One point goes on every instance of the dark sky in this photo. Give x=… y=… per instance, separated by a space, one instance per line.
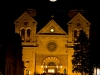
x=11 y=10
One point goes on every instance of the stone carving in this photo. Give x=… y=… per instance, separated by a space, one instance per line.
x=52 y=46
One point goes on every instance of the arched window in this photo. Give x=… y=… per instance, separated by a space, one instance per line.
x=75 y=35
x=79 y=29
x=27 y=72
x=51 y=64
x=23 y=34
x=28 y=35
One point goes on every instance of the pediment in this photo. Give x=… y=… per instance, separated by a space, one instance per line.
x=79 y=18
x=24 y=17
x=52 y=28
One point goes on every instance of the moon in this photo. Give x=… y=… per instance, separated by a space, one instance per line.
x=53 y=0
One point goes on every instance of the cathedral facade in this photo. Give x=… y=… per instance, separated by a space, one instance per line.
x=50 y=50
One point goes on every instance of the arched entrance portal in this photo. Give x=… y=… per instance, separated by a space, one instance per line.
x=51 y=65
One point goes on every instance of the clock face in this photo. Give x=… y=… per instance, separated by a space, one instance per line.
x=52 y=46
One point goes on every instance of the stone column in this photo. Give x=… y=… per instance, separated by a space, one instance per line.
x=70 y=53
x=34 y=34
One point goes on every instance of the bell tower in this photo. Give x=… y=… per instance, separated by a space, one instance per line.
x=26 y=25
x=77 y=23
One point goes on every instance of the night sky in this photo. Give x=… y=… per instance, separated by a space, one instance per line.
x=11 y=10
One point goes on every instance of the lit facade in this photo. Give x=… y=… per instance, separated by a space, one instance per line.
x=96 y=71
x=49 y=50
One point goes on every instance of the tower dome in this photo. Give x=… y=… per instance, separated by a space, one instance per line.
x=31 y=12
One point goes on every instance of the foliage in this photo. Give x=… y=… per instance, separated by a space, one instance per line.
x=81 y=56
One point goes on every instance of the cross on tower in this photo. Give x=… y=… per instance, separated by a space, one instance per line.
x=52 y=16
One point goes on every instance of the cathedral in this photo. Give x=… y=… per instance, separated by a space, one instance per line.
x=50 y=49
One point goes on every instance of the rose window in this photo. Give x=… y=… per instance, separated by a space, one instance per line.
x=52 y=46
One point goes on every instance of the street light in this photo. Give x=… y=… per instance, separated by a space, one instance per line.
x=53 y=0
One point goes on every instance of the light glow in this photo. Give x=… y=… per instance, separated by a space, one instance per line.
x=56 y=66
x=60 y=66
x=51 y=70
x=29 y=72
x=43 y=71
x=96 y=71
x=41 y=66
x=53 y=0
x=52 y=30
x=46 y=66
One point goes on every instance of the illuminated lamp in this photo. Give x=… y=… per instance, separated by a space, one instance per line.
x=52 y=30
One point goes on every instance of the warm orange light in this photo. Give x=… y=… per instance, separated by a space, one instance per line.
x=56 y=66
x=46 y=66
x=29 y=72
x=43 y=71
x=60 y=66
x=41 y=66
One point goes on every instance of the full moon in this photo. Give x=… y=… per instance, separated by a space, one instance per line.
x=53 y=0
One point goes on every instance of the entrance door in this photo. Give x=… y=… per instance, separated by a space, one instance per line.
x=51 y=68
x=51 y=65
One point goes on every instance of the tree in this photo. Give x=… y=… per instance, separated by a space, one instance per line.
x=81 y=56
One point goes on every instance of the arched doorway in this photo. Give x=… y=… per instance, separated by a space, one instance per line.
x=51 y=65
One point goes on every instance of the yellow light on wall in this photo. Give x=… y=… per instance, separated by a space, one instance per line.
x=60 y=66
x=56 y=66
x=29 y=72
x=52 y=30
x=46 y=66
x=41 y=66
x=53 y=0
x=43 y=71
